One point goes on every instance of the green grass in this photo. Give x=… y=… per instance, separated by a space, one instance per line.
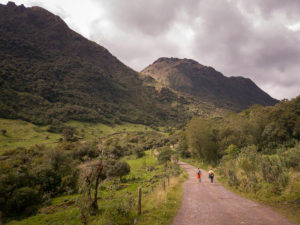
x=280 y=204
x=24 y=134
x=92 y=131
x=158 y=206
x=161 y=206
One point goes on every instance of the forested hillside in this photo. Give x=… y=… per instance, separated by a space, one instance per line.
x=49 y=73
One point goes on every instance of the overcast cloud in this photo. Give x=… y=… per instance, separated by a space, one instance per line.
x=259 y=39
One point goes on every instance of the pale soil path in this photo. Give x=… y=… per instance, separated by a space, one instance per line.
x=211 y=204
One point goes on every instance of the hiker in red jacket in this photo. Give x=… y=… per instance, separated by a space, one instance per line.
x=199 y=175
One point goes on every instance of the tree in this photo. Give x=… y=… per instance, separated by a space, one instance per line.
x=90 y=175
x=120 y=169
x=68 y=134
x=164 y=155
x=201 y=139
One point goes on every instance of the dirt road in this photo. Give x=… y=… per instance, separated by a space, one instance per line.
x=211 y=204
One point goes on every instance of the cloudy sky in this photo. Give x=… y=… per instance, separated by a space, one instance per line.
x=259 y=39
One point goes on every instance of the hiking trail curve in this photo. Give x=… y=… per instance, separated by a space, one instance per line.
x=208 y=203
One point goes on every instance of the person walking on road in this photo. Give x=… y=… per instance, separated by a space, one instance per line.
x=211 y=175
x=199 y=175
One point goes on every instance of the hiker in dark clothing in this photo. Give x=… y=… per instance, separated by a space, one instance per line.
x=211 y=175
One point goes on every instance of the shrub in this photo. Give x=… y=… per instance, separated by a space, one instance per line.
x=232 y=151
x=291 y=157
x=119 y=169
x=164 y=155
x=24 y=200
x=85 y=151
x=139 y=152
x=232 y=178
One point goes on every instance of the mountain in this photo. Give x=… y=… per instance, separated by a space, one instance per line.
x=49 y=72
x=188 y=76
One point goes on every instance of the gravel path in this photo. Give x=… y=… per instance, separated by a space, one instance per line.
x=211 y=204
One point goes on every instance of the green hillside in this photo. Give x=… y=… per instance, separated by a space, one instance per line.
x=49 y=72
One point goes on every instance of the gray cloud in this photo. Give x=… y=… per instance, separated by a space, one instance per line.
x=237 y=37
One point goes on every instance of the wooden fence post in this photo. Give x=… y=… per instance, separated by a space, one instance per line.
x=1 y=222
x=168 y=180
x=164 y=185
x=140 y=202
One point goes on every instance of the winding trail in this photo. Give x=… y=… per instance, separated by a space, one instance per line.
x=211 y=204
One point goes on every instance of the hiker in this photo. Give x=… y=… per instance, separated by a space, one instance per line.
x=211 y=175
x=199 y=175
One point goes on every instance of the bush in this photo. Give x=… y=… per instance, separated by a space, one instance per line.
x=85 y=151
x=232 y=178
x=291 y=157
x=24 y=200
x=119 y=169
x=164 y=155
x=69 y=183
x=232 y=151
x=120 y=211
x=139 y=152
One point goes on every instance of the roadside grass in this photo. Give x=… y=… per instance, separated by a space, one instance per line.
x=161 y=206
x=280 y=204
x=158 y=206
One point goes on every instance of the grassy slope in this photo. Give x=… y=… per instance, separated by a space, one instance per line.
x=24 y=134
x=158 y=206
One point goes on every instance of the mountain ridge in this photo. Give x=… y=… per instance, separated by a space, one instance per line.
x=189 y=76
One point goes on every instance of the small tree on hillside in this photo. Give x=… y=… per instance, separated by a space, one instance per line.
x=120 y=169
x=92 y=173
x=164 y=155
x=68 y=134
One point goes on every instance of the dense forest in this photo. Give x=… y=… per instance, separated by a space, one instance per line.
x=257 y=150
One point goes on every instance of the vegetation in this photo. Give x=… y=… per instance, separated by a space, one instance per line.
x=117 y=200
x=85 y=167
x=71 y=149
x=256 y=151
x=50 y=75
